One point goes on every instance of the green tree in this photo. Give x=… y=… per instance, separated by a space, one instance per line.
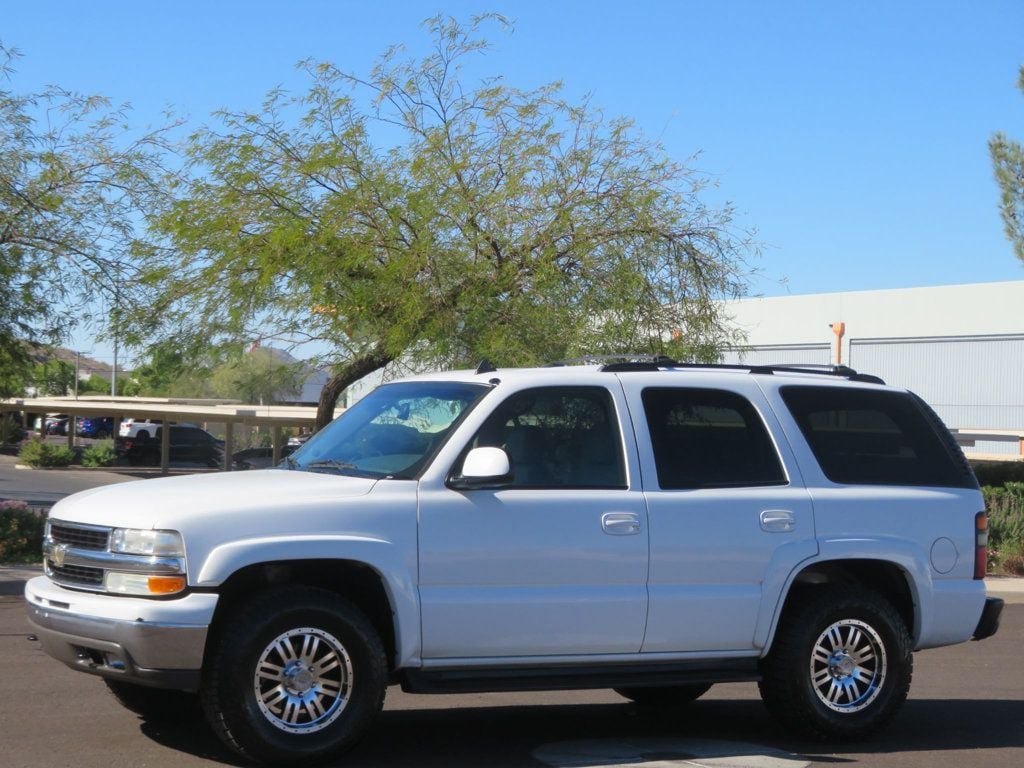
x=257 y=377
x=413 y=214
x=72 y=176
x=164 y=368
x=1008 y=161
x=15 y=368
x=54 y=377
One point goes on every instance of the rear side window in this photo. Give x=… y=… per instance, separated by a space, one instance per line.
x=709 y=438
x=861 y=437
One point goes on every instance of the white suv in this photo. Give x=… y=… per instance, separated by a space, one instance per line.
x=646 y=526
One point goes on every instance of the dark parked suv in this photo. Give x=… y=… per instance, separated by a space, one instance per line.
x=189 y=444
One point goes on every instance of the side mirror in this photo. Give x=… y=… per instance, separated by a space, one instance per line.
x=483 y=467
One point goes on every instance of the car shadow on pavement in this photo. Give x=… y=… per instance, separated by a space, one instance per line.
x=505 y=737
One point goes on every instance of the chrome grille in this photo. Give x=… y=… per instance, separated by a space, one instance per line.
x=75 y=574
x=81 y=538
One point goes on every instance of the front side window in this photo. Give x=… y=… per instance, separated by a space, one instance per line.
x=392 y=432
x=558 y=437
x=874 y=437
x=709 y=438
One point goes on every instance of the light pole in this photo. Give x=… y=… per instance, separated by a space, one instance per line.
x=115 y=316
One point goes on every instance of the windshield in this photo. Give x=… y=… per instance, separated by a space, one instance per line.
x=392 y=432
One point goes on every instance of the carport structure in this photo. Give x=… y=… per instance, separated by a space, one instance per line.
x=227 y=412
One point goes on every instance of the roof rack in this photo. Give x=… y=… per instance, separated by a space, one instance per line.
x=841 y=371
x=626 y=358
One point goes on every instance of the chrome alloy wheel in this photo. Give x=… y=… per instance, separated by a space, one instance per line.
x=303 y=680
x=848 y=666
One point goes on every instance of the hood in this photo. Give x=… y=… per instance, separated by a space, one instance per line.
x=171 y=502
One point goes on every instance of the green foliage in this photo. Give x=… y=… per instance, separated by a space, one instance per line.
x=54 y=377
x=99 y=454
x=1008 y=163
x=21 y=533
x=10 y=429
x=998 y=473
x=257 y=377
x=164 y=373
x=38 y=453
x=15 y=365
x=1005 y=508
x=414 y=214
x=72 y=181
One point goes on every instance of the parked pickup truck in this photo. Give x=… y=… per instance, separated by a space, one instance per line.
x=644 y=526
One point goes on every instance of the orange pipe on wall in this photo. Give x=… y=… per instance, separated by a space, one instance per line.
x=839 y=329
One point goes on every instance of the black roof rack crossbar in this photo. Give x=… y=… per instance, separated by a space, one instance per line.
x=623 y=359
x=841 y=371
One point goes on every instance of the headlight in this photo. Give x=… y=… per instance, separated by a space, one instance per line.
x=132 y=541
x=143 y=584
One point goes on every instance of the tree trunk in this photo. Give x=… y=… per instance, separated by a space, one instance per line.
x=344 y=376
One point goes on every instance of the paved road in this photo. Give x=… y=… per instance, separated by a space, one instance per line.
x=966 y=709
x=44 y=487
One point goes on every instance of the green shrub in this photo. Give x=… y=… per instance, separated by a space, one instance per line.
x=21 y=533
x=1005 y=507
x=10 y=430
x=998 y=473
x=37 y=453
x=100 y=454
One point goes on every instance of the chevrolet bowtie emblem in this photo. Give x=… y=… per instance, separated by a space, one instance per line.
x=58 y=553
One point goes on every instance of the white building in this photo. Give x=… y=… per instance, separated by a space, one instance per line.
x=961 y=347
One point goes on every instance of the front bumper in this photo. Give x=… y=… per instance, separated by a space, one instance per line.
x=988 y=624
x=152 y=642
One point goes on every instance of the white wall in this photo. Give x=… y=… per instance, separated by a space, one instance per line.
x=948 y=310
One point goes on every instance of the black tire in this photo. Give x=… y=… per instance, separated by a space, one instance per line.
x=862 y=643
x=666 y=696
x=154 y=703
x=244 y=653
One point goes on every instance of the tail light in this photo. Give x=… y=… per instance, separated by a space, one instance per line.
x=127 y=443
x=980 y=544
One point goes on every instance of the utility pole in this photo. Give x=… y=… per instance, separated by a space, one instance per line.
x=78 y=364
x=116 y=323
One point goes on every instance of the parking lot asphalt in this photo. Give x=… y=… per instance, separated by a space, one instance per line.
x=966 y=708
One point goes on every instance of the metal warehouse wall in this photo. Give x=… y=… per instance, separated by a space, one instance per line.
x=779 y=354
x=971 y=381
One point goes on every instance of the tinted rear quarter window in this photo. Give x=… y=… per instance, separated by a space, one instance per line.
x=865 y=437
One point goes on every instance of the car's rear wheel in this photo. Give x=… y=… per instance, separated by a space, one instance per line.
x=296 y=674
x=840 y=667
x=667 y=696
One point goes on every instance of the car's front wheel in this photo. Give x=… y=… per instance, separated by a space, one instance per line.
x=840 y=666
x=296 y=674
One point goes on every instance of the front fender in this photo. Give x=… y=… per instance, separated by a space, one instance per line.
x=397 y=574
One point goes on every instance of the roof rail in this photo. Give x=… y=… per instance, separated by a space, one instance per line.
x=625 y=358
x=841 y=371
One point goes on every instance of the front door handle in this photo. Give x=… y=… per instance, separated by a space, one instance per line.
x=620 y=523
x=777 y=520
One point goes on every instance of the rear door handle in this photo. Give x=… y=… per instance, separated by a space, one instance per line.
x=777 y=520
x=620 y=523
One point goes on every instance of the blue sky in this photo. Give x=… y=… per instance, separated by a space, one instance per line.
x=851 y=136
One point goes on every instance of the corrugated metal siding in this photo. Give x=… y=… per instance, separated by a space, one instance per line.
x=779 y=354
x=971 y=381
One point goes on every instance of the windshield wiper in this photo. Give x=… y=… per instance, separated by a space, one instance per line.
x=329 y=464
